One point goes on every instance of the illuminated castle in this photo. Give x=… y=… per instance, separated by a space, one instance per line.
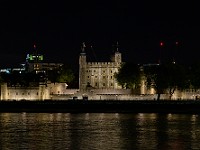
x=98 y=75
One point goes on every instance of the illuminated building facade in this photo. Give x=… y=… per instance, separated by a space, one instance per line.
x=98 y=75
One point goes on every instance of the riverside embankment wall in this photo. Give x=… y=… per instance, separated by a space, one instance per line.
x=59 y=91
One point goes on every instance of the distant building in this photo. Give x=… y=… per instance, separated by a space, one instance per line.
x=35 y=63
x=98 y=75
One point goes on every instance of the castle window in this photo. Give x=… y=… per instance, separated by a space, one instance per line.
x=22 y=93
x=95 y=76
x=88 y=76
x=16 y=93
x=111 y=84
x=94 y=70
x=111 y=77
x=28 y=93
x=104 y=84
x=104 y=77
x=110 y=71
x=96 y=84
x=37 y=93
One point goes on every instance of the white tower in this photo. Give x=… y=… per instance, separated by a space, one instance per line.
x=82 y=68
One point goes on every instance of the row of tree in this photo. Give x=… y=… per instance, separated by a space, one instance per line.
x=162 y=77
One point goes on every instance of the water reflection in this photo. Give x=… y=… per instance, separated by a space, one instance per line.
x=99 y=131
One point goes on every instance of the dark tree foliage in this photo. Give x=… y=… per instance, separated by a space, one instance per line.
x=166 y=77
x=128 y=75
x=63 y=74
x=23 y=79
x=194 y=75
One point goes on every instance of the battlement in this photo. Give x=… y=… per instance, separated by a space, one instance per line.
x=101 y=64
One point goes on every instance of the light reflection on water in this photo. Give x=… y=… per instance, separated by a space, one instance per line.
x=99 y=131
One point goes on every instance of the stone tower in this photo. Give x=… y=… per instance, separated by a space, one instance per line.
x=98 y=75
x=117 y=57
x=82 y=68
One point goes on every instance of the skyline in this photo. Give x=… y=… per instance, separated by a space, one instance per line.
x=58 y=30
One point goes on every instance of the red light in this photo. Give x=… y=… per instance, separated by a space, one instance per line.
x=161 y=43
x=34 y=46
x=176 y=43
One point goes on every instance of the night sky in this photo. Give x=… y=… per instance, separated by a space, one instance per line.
x=59 y=27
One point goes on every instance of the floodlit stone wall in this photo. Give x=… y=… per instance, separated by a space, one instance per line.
x=99 y=74
x=21 y=93
x=58 y=91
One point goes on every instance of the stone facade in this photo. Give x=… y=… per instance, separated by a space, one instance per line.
x=24 y=93
x=53 y=91
x=98 y=75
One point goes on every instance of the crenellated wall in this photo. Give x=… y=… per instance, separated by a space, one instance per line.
x=101 y=64
x=24 y=93
x=58 y=91
x=42 y=92
x=99 y=75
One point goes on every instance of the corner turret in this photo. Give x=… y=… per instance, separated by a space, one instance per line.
x=82 y=68
x=117 y=57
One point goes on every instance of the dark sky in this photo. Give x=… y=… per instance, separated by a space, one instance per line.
x=59 y=27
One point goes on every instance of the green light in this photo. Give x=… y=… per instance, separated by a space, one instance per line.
x=31 y=57
x=41 y=57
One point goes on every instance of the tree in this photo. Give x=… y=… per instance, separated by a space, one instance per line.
x=66 y=76
x=128 y=75
x=194 y=75
x=167 y=77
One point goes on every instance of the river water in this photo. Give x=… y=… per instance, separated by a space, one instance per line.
x=99 y=131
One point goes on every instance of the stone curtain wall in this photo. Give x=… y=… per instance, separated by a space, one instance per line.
x=20 y=93
x=58 y=91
